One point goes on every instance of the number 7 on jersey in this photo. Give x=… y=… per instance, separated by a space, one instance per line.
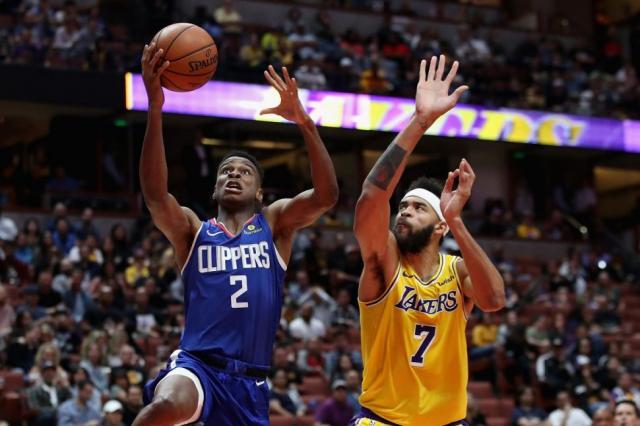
x=427 y=333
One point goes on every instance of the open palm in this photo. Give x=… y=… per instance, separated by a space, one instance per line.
x=432 y=96
x=290 y=107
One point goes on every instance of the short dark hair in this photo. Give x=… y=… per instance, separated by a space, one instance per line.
x=430 y=184
x=631 y=403
x=83 y=383
x=246 y=155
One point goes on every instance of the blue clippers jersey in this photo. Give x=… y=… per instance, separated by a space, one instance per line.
x=233 y=292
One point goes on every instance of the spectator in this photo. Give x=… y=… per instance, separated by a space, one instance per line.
x=284 y=359
x=132 y=365
x=603 y=416
x=77 y=411
x=44 y=398
x=303 y=43
x=285 y=400
x=537 y=334
x=113 y=413
x=138 y=268
x=93 y=364
x=323 y=304
x=527 y=229
x=78 y=301
x=133 y=404
x=626 y=413
x=341 y=347
x=48 y=353
x=81 y=375
x=566 y=414
x=554 y=369
x=310 y=358
x=63 y=237
x=344 y=313
x=336 y=410
x=354 y=390
x=626 y=390
x=85 y=226
x=306 y=327
x=309 y=75
x=373 y=80
x=484 y=337
x=252 y=53
x=228 y=17
x=7 y=313
x=525 y=412
x=47 y=296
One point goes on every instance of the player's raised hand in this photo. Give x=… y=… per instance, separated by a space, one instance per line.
x=151 y=72
x=432 y=95
x=290 y=107
x=452 y=201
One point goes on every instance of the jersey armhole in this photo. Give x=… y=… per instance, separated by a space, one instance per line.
x=454 y=268
x=386 y=292
x=193 y=244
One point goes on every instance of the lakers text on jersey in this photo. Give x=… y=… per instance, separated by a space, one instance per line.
x=414 y=348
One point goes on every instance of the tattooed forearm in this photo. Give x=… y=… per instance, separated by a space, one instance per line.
x=386 y=166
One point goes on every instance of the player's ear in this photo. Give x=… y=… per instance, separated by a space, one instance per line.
x=441 y=228
x=259 y=195
x=213 y=196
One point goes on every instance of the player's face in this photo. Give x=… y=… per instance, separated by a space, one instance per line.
x=626 y=416
x=238 y=182
x=415 y=223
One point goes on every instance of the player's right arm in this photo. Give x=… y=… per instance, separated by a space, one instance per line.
x=371 y=227
x=179 y=224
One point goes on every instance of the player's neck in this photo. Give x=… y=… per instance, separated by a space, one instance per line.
x=426 y=262
x=235 y=220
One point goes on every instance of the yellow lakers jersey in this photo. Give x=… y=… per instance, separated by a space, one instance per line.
x=414 y=348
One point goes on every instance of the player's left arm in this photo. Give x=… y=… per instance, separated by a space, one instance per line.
x=287 y=215
x=481 y=281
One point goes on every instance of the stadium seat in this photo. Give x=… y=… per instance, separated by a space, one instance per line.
x=498 y=421
x=490 y=407
x=11 y=381
x=480 y=390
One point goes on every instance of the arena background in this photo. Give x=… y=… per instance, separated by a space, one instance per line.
x=551 y=126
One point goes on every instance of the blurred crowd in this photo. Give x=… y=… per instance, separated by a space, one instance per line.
x=594 y=77
x=87 y=316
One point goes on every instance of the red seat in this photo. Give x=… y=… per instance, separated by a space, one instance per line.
x=490 y=407
x=480 y=389
x=498 y=421
x=11 y=380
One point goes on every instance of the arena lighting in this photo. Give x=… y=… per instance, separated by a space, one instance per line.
x=382 y=113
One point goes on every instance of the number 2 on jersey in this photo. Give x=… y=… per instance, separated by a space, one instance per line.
x=242 y=279
x=427 y=333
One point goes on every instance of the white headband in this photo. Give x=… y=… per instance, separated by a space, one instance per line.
x=428 y=197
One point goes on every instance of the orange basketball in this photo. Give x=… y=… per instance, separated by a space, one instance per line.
x=192 y=53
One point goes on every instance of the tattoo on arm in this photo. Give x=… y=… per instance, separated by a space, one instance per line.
x=386 y=166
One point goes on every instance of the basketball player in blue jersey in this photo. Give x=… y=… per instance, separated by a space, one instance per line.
x=232 y=267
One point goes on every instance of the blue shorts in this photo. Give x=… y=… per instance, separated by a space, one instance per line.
x=226 y=397
x=367 y=417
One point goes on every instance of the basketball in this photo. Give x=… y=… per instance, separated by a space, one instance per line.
x=192 y=53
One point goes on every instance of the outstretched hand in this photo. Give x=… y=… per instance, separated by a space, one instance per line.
x=151 y=73
x=432 y=95
x=452 y=201
x=290 y=107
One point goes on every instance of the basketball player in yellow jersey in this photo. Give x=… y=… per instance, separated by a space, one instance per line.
x=414 y=301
